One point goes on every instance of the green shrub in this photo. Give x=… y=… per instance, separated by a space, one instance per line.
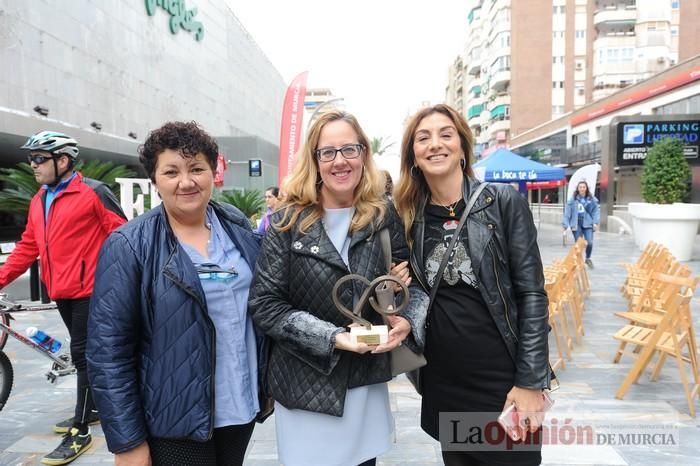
x=666 y=175
x=250 y=202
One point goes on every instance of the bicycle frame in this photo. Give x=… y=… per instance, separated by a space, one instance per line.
x=62 y=365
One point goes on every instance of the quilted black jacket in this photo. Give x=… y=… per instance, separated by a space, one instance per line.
x=151 y=344
x=505 y=256
x=291 y=301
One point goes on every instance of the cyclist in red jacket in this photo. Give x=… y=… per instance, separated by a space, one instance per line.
x=69 y=219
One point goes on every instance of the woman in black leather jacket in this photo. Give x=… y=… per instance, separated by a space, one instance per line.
x=486 y=339
x=332 y=404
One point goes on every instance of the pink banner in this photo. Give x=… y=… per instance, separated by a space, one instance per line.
x=292 y=116
x=220 y=169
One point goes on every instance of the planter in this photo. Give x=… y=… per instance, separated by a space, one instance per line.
x=632 y=208
x=673 y=225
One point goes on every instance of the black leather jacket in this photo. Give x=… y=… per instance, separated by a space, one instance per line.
x=505 y=256
x=291 y=301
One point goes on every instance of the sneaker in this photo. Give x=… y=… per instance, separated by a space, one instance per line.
x=64 y=426
x=72 y=446
x=589 y=263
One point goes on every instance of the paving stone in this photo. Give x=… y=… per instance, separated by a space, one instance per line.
x=589 y=384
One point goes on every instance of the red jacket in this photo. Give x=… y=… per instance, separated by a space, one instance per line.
x=80 y=219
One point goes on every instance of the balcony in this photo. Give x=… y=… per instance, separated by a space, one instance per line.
x=500 y=80
x=499 y=125
x=614 y=17
x=500 y=99
x=474 y=67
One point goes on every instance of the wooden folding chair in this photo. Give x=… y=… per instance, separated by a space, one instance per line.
x=672 y=336
x=562 y=339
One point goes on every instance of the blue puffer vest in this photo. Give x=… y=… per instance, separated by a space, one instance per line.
x=151 y=344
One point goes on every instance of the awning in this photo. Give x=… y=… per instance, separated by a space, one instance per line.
x=474 y=110
x=545 y=184
x=499 y=110
x=476 y=90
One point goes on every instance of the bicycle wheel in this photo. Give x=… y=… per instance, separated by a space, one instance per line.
x=5 y=319
x=6 y=378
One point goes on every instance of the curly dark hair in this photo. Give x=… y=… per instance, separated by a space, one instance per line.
x=188 y=138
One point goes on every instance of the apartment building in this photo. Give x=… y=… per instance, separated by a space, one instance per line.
x=528 y=62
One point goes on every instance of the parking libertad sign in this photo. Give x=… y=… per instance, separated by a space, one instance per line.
x=180 y=16
x=635 y=139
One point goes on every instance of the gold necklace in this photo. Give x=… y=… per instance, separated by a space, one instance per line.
x=450 y=208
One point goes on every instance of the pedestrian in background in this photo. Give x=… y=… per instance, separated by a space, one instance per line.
x=70 y=216
x=486 y=341
x=172 y=351
x=332 y=401
x=271 y=201
x=582 y=216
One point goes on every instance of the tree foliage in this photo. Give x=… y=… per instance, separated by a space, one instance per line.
x=250 y=202
x=380 y=145
x=666 y=175
x=20 y=185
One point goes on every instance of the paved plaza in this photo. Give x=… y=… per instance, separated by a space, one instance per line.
x=588 y=386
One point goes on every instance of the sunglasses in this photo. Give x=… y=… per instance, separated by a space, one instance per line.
x=214 y=272
x=38 y=159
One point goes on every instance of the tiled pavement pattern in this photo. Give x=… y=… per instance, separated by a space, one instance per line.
x=588 y=386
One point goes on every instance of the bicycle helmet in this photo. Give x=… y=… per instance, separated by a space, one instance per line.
x=53 y=142
x=56 y=144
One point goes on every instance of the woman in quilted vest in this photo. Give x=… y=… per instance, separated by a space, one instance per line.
x=172 y=351
x=332 y=402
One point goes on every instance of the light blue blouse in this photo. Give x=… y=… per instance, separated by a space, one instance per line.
x=236 y=375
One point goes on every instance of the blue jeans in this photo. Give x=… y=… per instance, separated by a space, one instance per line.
x=587 y=234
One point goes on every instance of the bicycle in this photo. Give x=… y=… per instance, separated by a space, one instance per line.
x=61 y=364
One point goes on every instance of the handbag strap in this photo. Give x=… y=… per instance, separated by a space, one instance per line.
x=386 y=247
x=455 y=237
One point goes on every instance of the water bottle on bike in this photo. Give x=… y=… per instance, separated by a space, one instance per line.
x=43 y=340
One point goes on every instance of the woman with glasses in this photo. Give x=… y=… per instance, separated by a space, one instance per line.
x=173 y=353
x=486 y=341
x=332 y=403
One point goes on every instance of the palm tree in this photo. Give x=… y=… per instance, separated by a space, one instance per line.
x=250 y=202
x=20 y=185
x=380 y=145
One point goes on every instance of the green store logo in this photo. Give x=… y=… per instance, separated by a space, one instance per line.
x=180 y=16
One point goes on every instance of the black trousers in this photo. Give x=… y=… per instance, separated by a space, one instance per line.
x=74 y=313
x=498 y=458
x=226 y=448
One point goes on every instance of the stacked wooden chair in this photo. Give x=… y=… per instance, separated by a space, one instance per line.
x=659 y=324
x=567 y=286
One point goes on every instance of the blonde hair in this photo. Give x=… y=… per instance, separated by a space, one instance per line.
x=412 y=185
x=303 y=187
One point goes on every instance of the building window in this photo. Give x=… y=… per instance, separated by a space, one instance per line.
x=557 y=109
x=674 y=30
x=674 y=4
x=580 y=33
x=557 y=84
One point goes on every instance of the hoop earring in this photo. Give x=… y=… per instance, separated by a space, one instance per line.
x=462 y=163
x=414 y=174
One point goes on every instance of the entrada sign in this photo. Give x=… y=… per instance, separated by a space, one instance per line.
x=180 y=16
x=635 y=138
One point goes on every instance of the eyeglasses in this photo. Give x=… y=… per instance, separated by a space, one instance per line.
x=349 y=151
x=214 y=272
x=38 y=159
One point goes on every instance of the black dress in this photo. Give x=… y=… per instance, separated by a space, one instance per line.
x=469 y=368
